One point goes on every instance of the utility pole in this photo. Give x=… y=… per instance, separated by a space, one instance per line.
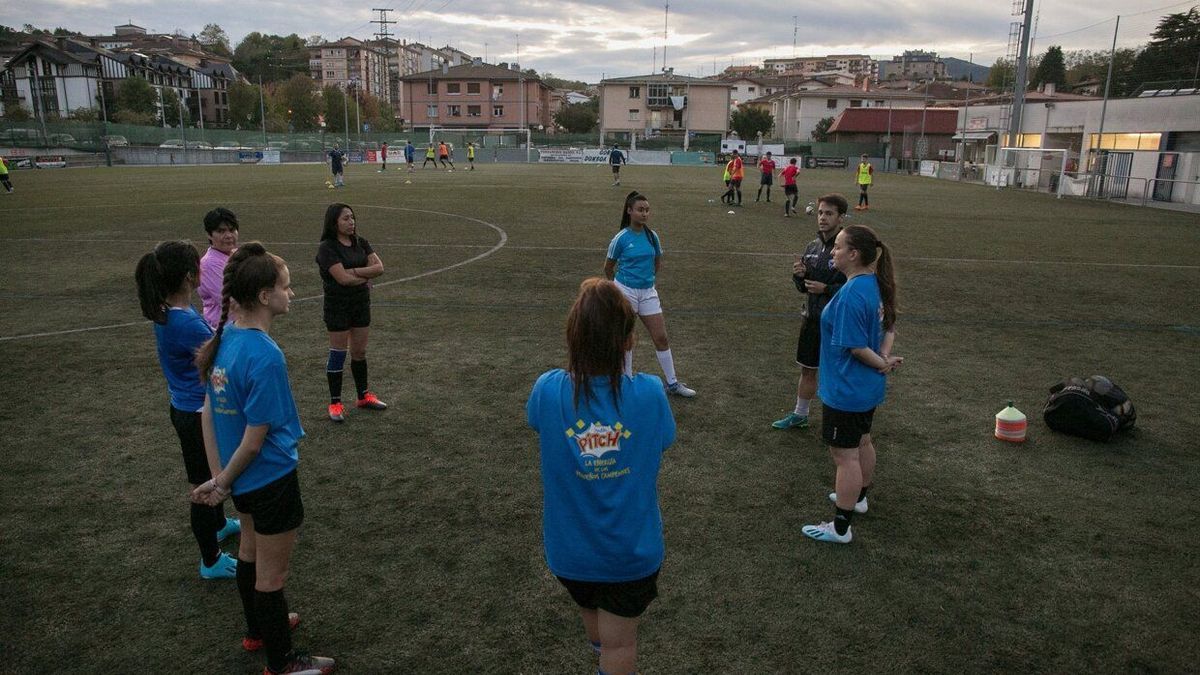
x=666 y=15
x=262 y=110
x=1112 y=55
x=382 y=36
x=795 y=29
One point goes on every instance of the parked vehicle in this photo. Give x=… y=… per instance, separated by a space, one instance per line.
x=116 y=141
x=62 y=139
x=172 y=144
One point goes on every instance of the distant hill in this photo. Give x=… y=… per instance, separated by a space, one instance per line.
x=956 y=69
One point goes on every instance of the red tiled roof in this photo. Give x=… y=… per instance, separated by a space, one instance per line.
x=875 y=120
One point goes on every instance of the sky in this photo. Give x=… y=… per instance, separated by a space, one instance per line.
x=615 y=38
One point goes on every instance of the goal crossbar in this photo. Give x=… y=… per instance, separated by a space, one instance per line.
x=487 y=131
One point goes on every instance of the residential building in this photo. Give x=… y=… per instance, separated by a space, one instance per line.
x=913 y=64
x=953 y=92
x=849 y=64
x=423 y=58
x=796 y=113
x=664 y=102
x=455 y=57
x=350 y=63
x=908 y=133
x=745 y=88
x=476 y=95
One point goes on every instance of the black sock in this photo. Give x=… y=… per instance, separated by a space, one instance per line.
x=206 y=521
x=272 y=611
x=335 y=385
x=246 y=572
x=841 y=521
x=739 y=196
x=768 y=193
x=759 y=195
x=359 y=370
x=862 y=494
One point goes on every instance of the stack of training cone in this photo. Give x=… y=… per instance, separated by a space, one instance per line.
x=1011 y=424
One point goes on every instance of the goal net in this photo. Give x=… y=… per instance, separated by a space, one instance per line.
x=509 y=144
x=1039 y=169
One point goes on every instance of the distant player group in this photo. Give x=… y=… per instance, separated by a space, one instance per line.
x=443 y=153
x=602 y=427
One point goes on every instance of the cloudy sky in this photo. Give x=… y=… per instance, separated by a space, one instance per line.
x=591 y=40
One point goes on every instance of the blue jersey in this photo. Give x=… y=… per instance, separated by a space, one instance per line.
x=336 y=157
x=852 y=319
x=600 y=516
x=408 y=152
x=178 y=339
x=616 y=157
x=249 y=387
x=635 y=254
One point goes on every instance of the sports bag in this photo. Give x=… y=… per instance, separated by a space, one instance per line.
x=1093 y=407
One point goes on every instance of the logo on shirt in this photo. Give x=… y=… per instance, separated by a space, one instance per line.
x=218 y=380
x=597 y=439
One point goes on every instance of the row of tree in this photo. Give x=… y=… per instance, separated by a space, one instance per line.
x=1173 y=54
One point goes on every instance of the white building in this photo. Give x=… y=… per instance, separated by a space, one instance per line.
x=796 y=113
x=1153 y=142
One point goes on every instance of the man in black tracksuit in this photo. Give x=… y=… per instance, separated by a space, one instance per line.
x=815 y=276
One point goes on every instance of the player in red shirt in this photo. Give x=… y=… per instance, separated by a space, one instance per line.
x=767 y=166
x=791 y=193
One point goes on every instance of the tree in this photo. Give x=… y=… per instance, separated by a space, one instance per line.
x=578 y=118
x=820 y=132
x=136 y=96
x=335 y=105
x=216 y=40
x=1173 y=52
x=243 y=105
x=748 y=121
x=1001 y=74
x=298 y=98
x=1083 y=65
x=1051 y=69
x=274 y=58
x=174 y=113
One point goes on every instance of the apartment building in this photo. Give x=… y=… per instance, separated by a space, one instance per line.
x=350 y=63
x=650 y=104
x=913 y=64
x=476 y=95
x=853 y=65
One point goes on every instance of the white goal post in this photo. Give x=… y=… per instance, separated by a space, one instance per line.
x=481 y=134
x=1011 y=161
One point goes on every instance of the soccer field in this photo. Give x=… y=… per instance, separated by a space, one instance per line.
x=421 y=549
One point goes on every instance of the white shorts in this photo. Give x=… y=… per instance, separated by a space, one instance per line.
x=645 y=301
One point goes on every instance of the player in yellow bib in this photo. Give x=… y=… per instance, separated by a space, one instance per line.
x=8 y=188
x=471 y=156
x=865 y=171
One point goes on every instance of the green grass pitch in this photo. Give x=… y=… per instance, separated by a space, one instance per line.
x=421 y=551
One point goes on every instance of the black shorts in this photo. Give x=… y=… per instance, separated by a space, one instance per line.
x=791 y=190
x=191 y=442
x=863 y=186
x=808 y=347
x=624 y=598
x=346 y=313
x=616 y=168
x=736 y=182
x=275 y=507
x=767 y=179
x=842 y=429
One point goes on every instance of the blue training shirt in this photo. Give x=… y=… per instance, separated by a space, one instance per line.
x=178 y=339
x=248 y=387
x=852 y=319
x=635 y=254
x=600 y=515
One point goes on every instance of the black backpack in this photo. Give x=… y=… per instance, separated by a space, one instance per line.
x=1094 y=408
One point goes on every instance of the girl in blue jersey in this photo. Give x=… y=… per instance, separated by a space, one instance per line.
x=857 y=329
x=634 y=260
x=251 y=431
x=166 y=278
x=602 y=434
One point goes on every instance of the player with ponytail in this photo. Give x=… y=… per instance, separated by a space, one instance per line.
x=602 y=434
x=857 y=330
x=633 y=262
x=251 y=431
x=166 y=278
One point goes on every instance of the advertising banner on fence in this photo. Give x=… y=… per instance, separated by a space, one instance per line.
x=572 y=156
x=269 y=156
x=813 y=162
x=50 y=162
x=19 y=162
x=249 y=157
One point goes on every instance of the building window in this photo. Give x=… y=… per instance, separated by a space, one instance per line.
x=634 y=114
x=454 y=110
x=635 y=92
x=750 y=89
x=497 y=92
x=497 y=111
x=432 y=90
x=453 y=87
x=431 y=111
x=658 y=95
x=330 y=74
x=878 y=104
x=856 y=103
x=1118 y=141
x=831 y=103
x=474 y=111
x=472 y=87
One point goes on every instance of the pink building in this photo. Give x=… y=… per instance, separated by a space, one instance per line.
x=476 y=95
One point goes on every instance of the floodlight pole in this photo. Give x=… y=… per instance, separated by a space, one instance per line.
x=262 y=110
x=1018 y=102
x=1112 y=55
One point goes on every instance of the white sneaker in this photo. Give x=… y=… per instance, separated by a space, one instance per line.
x=680 y=389
x=860 y=507
x=827 y=532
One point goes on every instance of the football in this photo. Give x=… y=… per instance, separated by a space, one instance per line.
x=809 y=208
